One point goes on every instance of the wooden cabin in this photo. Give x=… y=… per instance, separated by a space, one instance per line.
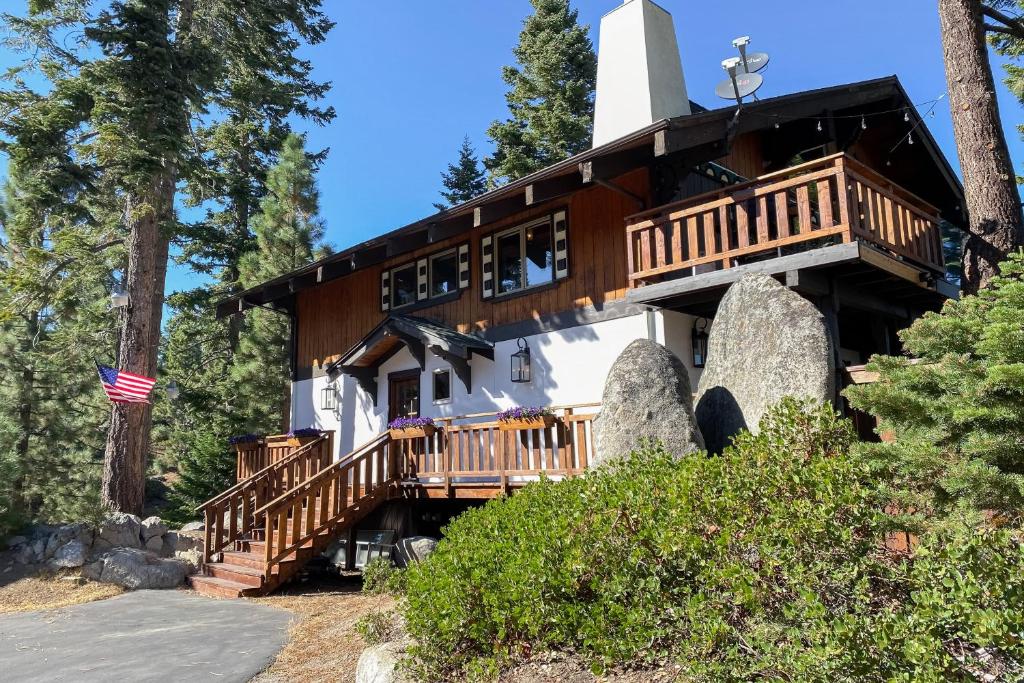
x=839 y=193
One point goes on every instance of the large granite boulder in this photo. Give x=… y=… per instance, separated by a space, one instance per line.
x=135 y=568
x=194 y=526
x=766 y=342
x=71 y=554
x=119 y=530
x=647 y=395
x=152 y=526
x=414 y=549
x=379 y=664
x=181 y=541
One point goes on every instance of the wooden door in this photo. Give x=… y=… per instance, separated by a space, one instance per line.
x=403 y=394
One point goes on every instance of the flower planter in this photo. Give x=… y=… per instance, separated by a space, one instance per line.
x=300 y=441
x=522 y=423
x=413 y=432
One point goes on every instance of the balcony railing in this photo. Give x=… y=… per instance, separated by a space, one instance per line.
x=833 y=199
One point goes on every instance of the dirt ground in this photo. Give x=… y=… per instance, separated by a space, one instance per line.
x=322 y=643
x=50 y=591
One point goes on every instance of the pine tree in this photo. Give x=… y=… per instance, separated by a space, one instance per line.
x=957 y=412
x=463 y=180
x=551 y=94
x=124 y=97
x=995 y=222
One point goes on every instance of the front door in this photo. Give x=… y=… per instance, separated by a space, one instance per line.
x=403 y=394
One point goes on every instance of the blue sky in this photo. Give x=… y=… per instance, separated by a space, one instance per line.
x=412 y=78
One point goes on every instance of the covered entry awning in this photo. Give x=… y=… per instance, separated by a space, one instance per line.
x=418 y=335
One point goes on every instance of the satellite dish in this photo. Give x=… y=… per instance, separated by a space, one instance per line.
x=754 y=62
x=739 y=86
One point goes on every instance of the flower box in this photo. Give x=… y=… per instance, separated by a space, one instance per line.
x=412 y=432
x=246 y=442
x=525 y=418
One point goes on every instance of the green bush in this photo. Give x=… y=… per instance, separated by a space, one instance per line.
x=764 y=562
x=381 y=577
x=379 y=627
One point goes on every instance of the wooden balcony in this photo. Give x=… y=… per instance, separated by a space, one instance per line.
x=832 y=200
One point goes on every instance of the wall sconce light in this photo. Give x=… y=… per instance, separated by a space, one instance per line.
x=699 y=342
x=118 y=297
x=329 y=398
x=521 y=362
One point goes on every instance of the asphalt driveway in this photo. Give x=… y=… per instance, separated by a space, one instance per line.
x=143 y=636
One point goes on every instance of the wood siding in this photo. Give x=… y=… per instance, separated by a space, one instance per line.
x=334 y=316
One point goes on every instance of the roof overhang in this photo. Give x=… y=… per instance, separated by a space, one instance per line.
x=418 y=335
x=697 y=138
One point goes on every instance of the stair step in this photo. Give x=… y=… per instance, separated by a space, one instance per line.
x=217 y=588
x=242 y=559
x=247 y=576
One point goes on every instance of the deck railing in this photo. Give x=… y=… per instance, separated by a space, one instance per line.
x=833 y=199
x=479 y=454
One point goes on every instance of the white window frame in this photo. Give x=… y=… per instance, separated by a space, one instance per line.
x=433 y=387
x=430 y=272
x=394 y=290
x=521 y=229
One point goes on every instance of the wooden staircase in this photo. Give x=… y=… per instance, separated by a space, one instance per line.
x=258 y=536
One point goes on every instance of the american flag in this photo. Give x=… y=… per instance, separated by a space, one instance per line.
x=124 y=387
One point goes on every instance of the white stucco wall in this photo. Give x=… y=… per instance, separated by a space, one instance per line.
x=569 y=367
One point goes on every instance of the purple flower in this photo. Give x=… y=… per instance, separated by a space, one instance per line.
x=523 y=413
x=307 y=431
x=410 y=422
x=244 y=438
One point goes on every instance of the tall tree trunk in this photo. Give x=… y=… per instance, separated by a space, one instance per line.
x=995 y=223
x=26 y=396
x=128 y=438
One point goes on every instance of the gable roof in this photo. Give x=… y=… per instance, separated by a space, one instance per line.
x=701 y=136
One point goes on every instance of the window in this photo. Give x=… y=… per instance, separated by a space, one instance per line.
x=442 y=386
x=444 y=274
x=524 y=257
x=403 y=286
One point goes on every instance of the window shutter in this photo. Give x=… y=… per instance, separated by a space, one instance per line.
x=421 y=279
x=561 y=246
x=385 y=290
x=463 y=266
x=487 y=267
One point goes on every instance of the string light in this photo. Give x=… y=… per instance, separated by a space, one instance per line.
x=819 y=126
x=910 y=138
x=906 y=116
x=863 y=123
x=777 y=126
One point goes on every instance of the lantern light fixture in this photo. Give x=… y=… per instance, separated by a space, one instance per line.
x=699 y=342
x=521 y=362
x=173 y=392
x=329 y=398
x=118 y=297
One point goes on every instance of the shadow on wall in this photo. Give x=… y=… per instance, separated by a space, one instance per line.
x=719 y=417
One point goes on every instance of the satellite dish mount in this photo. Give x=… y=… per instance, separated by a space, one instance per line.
x=743 y=77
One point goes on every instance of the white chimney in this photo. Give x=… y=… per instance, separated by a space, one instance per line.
x=639 y=72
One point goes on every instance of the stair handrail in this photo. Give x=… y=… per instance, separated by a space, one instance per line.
x=378 y=440
x=299 y=513
x=287 y=460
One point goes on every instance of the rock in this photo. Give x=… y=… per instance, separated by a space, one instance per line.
x=119 y=530
x=647 y=395
x=135 y=568
x=155 y=545
x=15 y=541
x=379 y=664
x=38 y=549
x=766 y=342
x=192 y=558
x=178 y=541
x=414 y=549
x=23 y=554
x=71 y=554
x=152 y=526
x=194 y=526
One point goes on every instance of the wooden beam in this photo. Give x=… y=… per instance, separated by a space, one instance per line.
x=369 y=256
x=616 y=164
x=807 y=282
x=403 y=243
x=335 y=269
x=450 y=227
x=552 y=188
x=415 y=346
x=365 y=377
x=496 y=210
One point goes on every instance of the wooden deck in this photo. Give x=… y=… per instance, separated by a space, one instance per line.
x=261 y=531
x=832 y=200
